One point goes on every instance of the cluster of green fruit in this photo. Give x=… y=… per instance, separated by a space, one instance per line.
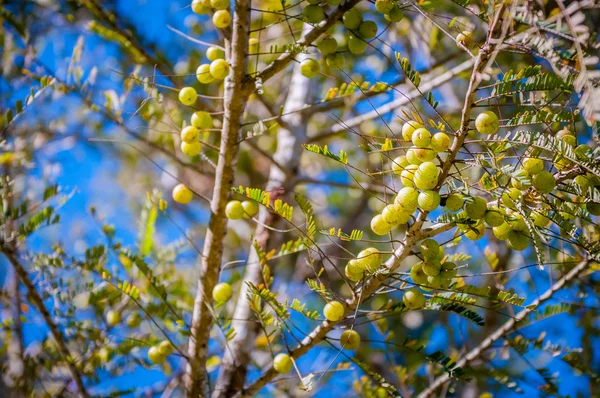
x=158 y=353
x=419 y=175
x=221 y=17
x=431 y=273
x=190 y=135
x=368 y=261
x=216 y=70
x=359 y=32
x=236 y=210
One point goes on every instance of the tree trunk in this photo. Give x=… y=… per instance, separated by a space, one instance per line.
x=237 y=356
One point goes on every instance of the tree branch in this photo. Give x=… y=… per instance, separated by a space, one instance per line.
x=235 y=99
x=505 y=329
x=289 y=147
x=37 y=301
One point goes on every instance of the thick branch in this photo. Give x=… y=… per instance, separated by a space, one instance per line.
x=37 y=301
x=506 y=328
x=235 y=99
x=289 y=141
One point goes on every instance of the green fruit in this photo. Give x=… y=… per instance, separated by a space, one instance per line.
x=487 y=122
x=222 y=292
x=502 y=231
x=352 y=19
x=165 y=348
x=476 y=208
x=465 y=38
x=399 y=164
x=354 y=270
x=429 y=200
x=448 y=270
x=370 y=259
x=201 y=6
x=182 y=194
x=313 y=13
x=409 y=128
x=203 y=74
x=583 y=182
x=407 y=176
x=334 y=3
x=413 y=299
x=188 y=96
x=350 y=340
x=421 y=138
x=309 y=68
x=395 y=215
x=510 y=196
x=540 y=220
x=379 y=226
x=583 y=151
x=155 y=356
x=234 y=210
x=113 y=318
x=411 y=156
x=454 y=202
x=214 y=53
x=191 y=148
x=367 y=30
x=517 y=223
x=105 y=354
x=432 y=268
x=567 y=137
x=384 y=6
x=221 y=19
x=423 y=182
x=429 y=170
x=189 y=134
x=395 y=15
x=335 y=60
x=356 y=45
x=440 y=142
x=134 y=320
x=518 y=240
x=202 y=120
x=533 y=165
x=475 y=232
x=430 y=248
x=219 y=68
x=521 y=181
x=424 y=154
x=493 y=217
x=434 y=282
x=593 y=208
x=328 y=45
x=544 y=182
x=334 y=311
x=417 y=274
x=219 y=4
x=282 y=363
x=407 y=199
x=250 y=208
